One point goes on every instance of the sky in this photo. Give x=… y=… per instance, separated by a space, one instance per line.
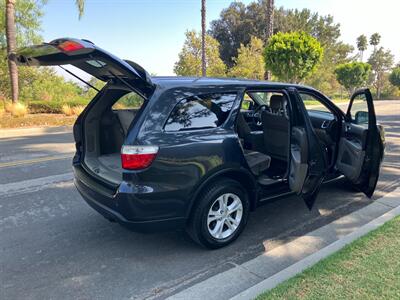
x=151 y=33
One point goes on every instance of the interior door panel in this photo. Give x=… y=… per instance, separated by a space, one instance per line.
x=299 y=159
x=361 y=145
x=308 y=163
x=352 y=150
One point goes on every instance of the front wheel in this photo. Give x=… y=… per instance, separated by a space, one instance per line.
x=220 y=214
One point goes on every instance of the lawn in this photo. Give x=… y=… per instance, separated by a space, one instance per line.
x=368 y=268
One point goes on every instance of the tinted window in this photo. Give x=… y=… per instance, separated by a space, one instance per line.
x=359 y=110
x=204 y=111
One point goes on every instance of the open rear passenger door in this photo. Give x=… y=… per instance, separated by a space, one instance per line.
x=361 y=144
x=307 y=160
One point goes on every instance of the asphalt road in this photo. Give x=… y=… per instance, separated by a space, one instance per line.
x=52 y=245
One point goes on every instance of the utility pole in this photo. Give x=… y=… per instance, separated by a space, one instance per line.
x=203 y=39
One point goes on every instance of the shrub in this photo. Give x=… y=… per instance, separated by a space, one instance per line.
x=67 y=110
x=77 y=110
x=394 y=77
x=8 y=106
x=53 y=107
x=18 y=109
x=72 y=111
x=352 y=75
x=292 y=56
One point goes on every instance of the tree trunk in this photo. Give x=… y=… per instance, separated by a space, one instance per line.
x=270 y=30
x=11 y=47
x=203 y=39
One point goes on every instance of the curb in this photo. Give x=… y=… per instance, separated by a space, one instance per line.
x=248 y=280
x=19 y=132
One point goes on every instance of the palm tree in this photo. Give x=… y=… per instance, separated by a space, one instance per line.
x=203 y=39
x=362 y=44
x=11 y=38
x=81 y=7
x=374 y=40
x=270 y=28
x=11 y=47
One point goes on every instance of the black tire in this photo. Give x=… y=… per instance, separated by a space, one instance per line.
x=198 y=228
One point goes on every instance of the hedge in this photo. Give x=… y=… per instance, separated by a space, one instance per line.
x=52 y=107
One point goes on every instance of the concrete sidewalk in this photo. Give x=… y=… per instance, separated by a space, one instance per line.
x=264 y=272
x=18 y=132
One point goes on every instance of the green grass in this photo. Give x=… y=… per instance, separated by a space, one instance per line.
x=368 y=268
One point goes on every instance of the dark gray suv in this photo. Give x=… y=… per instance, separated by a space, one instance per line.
x=162 y=153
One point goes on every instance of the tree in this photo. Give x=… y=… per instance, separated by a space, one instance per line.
x=26 y=19
x=381 y=61
x=394 y=77
x=362 y=44
x=189 y=63
x=292 y=56
x=11 y=36
x=270 y=18
x=270 y=28
x=374 y=40
x=203 y=38
x=238 y=22
x=353 y=75
x=80 y=4
x=250 y=62
x=231 y=30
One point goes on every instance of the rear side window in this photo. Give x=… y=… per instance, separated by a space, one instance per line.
x=199 y=112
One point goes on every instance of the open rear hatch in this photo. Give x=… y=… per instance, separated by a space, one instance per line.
x=100 y=131
x=86 y=56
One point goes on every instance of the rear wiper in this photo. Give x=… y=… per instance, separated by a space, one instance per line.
x=77 y=77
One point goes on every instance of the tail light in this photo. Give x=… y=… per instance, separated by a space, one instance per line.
x=70 y=46
x=137 y=157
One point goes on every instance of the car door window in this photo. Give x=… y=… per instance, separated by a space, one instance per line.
x=199 y=112
x=312 y=103
x=359 y=110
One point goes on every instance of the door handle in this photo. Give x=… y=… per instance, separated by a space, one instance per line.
x=347 y=128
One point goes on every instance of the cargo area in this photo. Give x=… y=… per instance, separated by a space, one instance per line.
x=105 y=127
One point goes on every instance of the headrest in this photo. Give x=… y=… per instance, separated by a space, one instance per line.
x=276 y=102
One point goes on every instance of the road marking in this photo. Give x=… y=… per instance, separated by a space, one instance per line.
x=34 y=160
x=33 y=185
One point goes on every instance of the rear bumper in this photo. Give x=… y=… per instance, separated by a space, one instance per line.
x=123 y=207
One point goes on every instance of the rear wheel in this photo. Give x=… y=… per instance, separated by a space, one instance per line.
x=220 y=214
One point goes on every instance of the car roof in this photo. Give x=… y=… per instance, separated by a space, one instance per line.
x=171 y=81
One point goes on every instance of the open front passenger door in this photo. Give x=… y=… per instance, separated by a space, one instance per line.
x=361 y=145
x=307 y=160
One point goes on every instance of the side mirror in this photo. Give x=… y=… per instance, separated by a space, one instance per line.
x=361 y=117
